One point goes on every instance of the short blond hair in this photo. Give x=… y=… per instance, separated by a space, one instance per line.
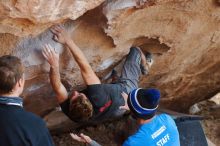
x=80 y=109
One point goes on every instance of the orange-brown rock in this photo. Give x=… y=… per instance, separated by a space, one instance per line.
x=31 y=17
x=189 y=70
x=183 y=35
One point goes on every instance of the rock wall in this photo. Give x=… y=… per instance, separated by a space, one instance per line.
x=25 y=17
x=183 y=35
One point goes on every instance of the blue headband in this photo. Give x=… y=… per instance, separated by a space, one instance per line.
x=137 y=107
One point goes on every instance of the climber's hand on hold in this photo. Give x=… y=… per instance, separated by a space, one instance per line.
x=60 y=34
x=50 y=55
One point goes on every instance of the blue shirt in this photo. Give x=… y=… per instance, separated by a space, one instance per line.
x=160 y=131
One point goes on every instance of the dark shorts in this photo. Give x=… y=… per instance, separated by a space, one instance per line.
x=131 y=71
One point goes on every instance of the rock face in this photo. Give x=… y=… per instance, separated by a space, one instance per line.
x=183 y=35
x=24 y=17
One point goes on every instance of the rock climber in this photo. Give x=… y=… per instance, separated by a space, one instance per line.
x=98 y=101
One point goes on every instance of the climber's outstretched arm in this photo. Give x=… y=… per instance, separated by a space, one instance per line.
x=53 y=59
x=61 y=36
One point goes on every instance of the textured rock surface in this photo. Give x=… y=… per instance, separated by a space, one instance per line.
x=189 y=71
x=24 y=17
x=184 y=36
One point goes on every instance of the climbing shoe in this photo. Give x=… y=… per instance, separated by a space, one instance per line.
x=146 y=62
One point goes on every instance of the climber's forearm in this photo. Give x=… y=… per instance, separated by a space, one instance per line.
x=87 y=72
x=79 y=56
x=59 y=89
